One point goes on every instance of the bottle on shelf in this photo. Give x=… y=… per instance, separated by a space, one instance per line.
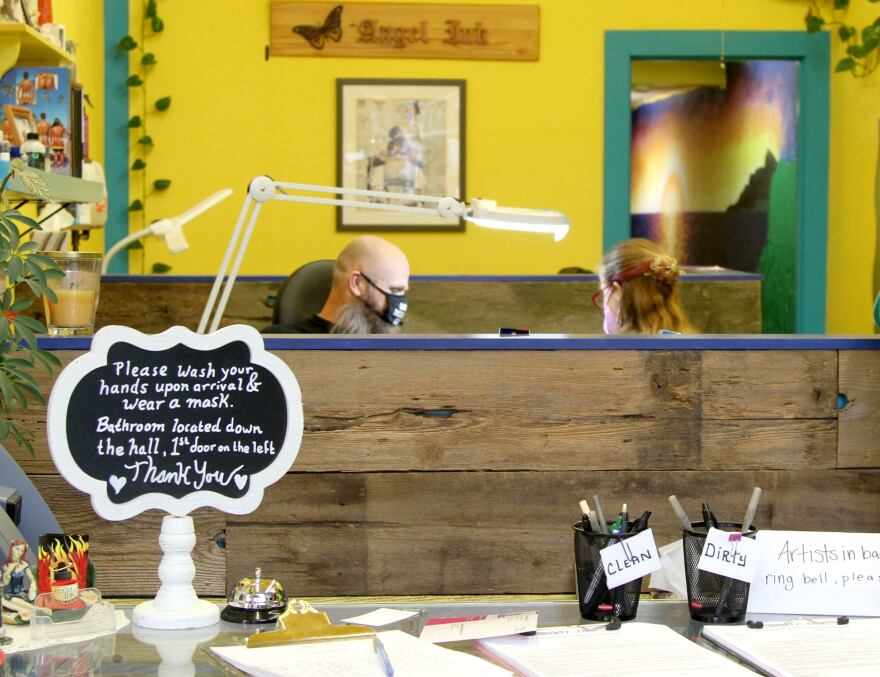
x=34 y=152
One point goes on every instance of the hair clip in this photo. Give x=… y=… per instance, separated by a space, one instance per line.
x=755 y=625
x=613 y=624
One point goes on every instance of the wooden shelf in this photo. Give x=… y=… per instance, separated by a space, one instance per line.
x=21 y=45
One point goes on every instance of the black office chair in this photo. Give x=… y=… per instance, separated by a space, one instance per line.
x=303 y=294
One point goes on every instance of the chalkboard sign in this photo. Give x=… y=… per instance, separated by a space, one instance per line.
x=175 y=421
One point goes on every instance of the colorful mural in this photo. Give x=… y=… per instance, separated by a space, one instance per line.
x=714 y=178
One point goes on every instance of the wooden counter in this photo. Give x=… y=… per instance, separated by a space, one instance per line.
x=723 y=302
x=454 y=465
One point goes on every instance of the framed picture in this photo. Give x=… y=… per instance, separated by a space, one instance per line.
x=18 y=122
x=400 y=136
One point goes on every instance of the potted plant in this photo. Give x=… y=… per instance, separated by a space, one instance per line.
x=21 y=264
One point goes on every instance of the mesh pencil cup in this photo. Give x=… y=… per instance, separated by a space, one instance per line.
x=596 y=601
x=712 y=598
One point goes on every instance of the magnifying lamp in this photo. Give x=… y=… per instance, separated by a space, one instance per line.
x=483 y=213
x=170 y=229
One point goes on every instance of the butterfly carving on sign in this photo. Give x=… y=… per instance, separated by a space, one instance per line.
x=317 y=35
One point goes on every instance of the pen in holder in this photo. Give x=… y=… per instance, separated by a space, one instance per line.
x=596 y=601
x=712 y=598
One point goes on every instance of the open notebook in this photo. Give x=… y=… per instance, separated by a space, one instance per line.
x=804 y=647
x=634 y=649
x=409 y=656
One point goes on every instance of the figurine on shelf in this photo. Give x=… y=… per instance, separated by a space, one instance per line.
x=19 y=585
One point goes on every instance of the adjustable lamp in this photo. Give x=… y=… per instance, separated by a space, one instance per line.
x=170 y=229
x=484 y=213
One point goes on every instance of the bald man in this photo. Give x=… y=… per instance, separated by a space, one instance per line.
x=368 y=294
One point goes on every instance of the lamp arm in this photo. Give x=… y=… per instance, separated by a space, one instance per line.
x=122 y=244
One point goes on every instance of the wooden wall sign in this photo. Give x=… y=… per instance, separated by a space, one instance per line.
x=427 y=31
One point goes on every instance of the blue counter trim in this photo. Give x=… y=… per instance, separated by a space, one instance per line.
x=116 y=134
x=696 y=277
x=537 y=342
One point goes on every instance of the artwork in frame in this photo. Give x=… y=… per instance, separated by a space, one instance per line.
x=18 y=121
x=400 y=136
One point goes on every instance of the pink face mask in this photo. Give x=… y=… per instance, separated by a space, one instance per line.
x=611 y=323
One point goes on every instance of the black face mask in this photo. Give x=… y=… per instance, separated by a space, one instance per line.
x=395 y=307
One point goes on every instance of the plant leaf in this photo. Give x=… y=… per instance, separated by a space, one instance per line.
x=161 y=184
x=134 y=81
x=138 y=164
x=145 y=140
x=150 y=11
x=157 y=24
x=846 y=32
x=35 y=183
x=14 y=269
x=163 y=103
x=160 y=268
x=135 y=121
x=49 y=360
x=15 y=215
x=148 y=59
x=19 y=305
x=136 y=206
x=845 y=64
x=127 y=44
x=137 y=244
x=814 y=23
x=841 y=4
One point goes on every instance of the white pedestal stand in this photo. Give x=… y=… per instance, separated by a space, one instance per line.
x=176 y=605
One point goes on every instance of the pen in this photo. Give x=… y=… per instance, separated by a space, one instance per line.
x=709 y=518
x=751 y=510
x=620 y=525
x=599 y=514
x=382 y=655
x=680 y=513
x=641 y=523
x=589 y=518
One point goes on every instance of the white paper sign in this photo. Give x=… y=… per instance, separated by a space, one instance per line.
x=630 y=558
x=813 y=572
x=729 y=554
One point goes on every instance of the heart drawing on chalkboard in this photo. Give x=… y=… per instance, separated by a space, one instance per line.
x=240 y=482
x=117 y=483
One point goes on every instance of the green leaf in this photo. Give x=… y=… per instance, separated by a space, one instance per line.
x=150 y=11
x=21 y=218
x=160 y=268
x=814 y=23
x=134 y=81
x=14 y=270
x=19 y=305
x=46 y=358
x=137 y=244
x=135 y=121
x=29 y=322
x=26 y=334
x=845 y=64
x=136 y=206
x=145 y=140
x=127 y=44
x=841 y=4
x=161 y=184
x=138 y=164
x=33 y=392
x=149 y=59
x=157 y=24
x=163 y=103
x=846 y=32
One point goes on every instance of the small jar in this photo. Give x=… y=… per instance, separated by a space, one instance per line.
x=4 y=151
x=34 y=152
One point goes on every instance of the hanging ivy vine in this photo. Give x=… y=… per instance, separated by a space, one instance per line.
x=141 y=142
x=861 y=42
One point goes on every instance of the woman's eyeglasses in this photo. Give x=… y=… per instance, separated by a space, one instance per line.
x=598 y=298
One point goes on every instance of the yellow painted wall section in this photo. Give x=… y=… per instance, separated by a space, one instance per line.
x=84 y=23
x=534 y=139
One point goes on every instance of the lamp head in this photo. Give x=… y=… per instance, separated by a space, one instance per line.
x=488 y=214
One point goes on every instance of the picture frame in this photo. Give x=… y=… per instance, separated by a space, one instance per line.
x=18 y=121
x=400 y=135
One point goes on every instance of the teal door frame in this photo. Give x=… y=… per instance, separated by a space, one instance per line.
x=813 y=51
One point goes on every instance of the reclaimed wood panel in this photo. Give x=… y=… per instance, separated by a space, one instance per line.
x=405 y=30
x=495 y=532
x=126 y=554
x=860 y=417
x=603 y=410
x=441 y=307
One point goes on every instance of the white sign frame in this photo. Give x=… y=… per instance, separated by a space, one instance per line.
x=70 y=377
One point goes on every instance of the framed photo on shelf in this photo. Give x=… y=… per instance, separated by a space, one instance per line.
x=400 y=136
x=18 y=122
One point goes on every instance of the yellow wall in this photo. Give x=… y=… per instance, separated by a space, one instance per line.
x=535 y=137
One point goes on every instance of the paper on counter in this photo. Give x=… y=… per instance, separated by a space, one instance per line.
x=476 y=627
x=380 y=617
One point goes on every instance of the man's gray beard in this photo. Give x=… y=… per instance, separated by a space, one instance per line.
x=356 y=318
